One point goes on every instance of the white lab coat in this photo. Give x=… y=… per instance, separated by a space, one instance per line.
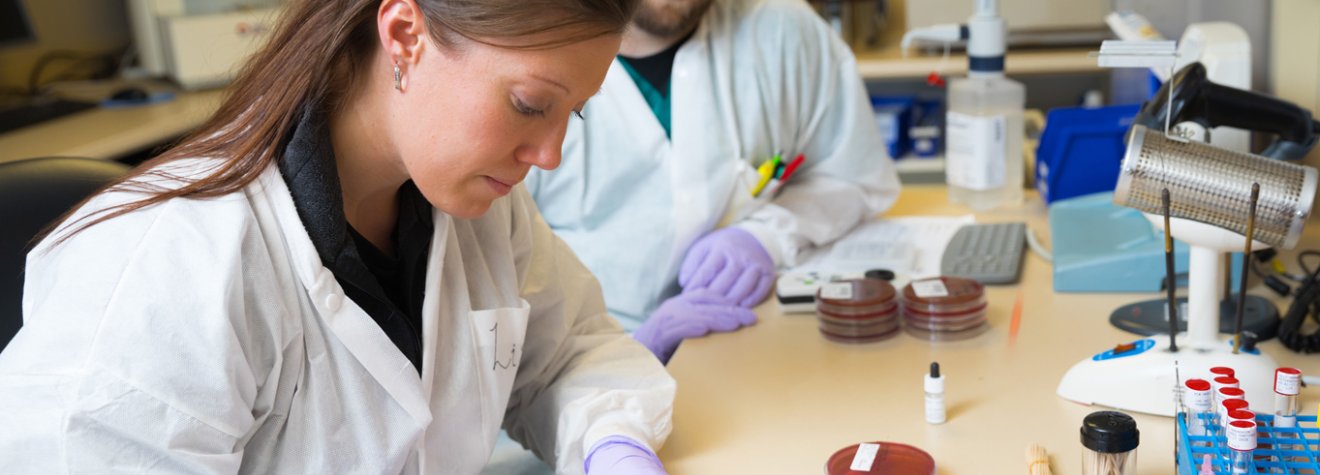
x=205 y=336
x=757 y=76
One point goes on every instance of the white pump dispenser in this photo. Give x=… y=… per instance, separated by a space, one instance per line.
x=983 y=125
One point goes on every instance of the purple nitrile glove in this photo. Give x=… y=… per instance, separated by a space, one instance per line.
x=730 y=262
x=689 y=315
x=619 y=455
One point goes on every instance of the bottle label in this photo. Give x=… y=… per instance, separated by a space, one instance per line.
x=935 y=408
x=865 y=458
x=974 y=150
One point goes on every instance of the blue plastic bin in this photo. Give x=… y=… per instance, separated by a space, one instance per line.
x=893 y=116
x=1081 y=149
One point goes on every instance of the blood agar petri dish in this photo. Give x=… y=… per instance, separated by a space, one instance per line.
x=890 y=458
x=857 y=311
x=944 y=308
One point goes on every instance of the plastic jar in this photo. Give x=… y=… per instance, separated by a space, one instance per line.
x=1109 y=444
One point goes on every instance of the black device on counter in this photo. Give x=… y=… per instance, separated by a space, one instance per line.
x=1197 y=99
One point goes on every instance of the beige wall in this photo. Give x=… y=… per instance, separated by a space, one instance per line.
x=1296 y=56
x=78 y=25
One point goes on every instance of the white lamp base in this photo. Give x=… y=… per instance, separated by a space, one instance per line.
x=1143 y=380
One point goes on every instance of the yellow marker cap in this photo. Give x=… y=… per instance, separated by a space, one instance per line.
x=766 y=175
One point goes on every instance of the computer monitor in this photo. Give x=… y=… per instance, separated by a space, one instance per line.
x=14 y=25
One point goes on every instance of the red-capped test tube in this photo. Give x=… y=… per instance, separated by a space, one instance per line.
x=1197 y=399
x=1241 y=415
x=1287 y=382
x=1230 y=404
x=1222 y=382
x=1218 y=371
x=1242 y=442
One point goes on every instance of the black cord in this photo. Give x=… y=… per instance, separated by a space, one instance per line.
x=1306 y=302
x=1301 y=261
x=1271 y=279
x=1255 y=268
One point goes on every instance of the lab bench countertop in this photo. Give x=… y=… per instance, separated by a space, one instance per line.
x=111 y=133
x=777 y=397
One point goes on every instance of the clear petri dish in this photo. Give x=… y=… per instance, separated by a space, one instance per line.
x=936 y=322
x=877 y=327
x=945 y=335
x=891 y=458
x=856 y=327
x=944 y=328
x=872 y=338
x=950 y=295
x=866 y=296
x=920 y=313
x=887 y=310
x=859 y=324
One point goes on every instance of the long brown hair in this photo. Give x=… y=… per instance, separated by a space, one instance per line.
x=314 y=56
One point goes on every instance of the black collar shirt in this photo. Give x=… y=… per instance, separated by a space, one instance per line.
x=389 y=288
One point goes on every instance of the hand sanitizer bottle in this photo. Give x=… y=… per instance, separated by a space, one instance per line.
x=983 y=151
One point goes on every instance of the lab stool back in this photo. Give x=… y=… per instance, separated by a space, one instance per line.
x=33 y=192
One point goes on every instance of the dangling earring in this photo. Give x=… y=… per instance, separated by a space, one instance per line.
x=398 y=78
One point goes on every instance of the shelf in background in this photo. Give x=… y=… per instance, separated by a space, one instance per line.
x=884 y=59
x=912 y=170
x=889 y=63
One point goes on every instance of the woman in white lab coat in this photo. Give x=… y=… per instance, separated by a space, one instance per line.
x=340 y=273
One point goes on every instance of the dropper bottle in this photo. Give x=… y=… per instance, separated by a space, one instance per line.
x=934 y=386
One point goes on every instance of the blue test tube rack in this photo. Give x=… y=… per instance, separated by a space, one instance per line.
x=1304 y=438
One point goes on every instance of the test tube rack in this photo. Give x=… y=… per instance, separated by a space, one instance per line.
x=1304 y=438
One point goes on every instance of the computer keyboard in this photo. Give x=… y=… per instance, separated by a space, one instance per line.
x=989 y=253
x=38 y=110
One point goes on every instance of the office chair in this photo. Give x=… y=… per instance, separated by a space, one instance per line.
x=33 y=193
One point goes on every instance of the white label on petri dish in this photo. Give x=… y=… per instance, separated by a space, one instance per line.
x=865 y=457
x=836 y=291
x=930 y=288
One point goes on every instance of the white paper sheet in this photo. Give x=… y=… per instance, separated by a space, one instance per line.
x=911 y=246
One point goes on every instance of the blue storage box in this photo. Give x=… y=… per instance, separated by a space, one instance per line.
x=893 y=117
x=1081 y=150
x=927 y=127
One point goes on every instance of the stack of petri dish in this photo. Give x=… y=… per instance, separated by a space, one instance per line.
x=944 y=308
x=857 y=311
